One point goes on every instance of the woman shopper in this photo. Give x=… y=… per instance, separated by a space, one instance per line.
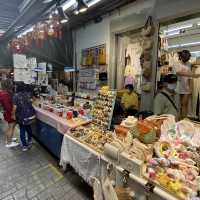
x=7 y=105
x=24 y=114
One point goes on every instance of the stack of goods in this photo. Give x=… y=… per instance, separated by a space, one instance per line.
x=103 y=109
x=176 y=164
x=93 y=137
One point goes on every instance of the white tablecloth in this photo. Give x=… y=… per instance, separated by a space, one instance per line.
x=62 y=125
x=84 y=160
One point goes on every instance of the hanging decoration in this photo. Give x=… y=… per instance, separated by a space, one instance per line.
x=41 y=32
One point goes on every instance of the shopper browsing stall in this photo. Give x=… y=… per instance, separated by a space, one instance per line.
x=130 y=101
x=7 y=105
x=24 y=114
x=165 y=100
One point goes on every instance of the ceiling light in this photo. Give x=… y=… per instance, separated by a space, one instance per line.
x=2 y=31
x=63 y=21
x=91 y=3
x=173 y=46
x=82 y=7
x=173 y=33
x=68 y=4
x=190 y=44
x=76 y=12
x=195 y=52
x=63 y=17
x=178 y=28
x=56 y=12
x=26 y=31
x=50 y=16
x=47 y=1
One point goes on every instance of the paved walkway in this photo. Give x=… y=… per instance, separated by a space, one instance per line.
x=33 y=175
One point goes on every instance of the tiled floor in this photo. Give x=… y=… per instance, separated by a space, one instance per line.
x=33 y=175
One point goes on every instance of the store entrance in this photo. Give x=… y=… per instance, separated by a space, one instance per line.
x=179 y=54
x=128 y=52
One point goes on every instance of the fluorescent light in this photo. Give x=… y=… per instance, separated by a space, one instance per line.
x=195 y=52
x=93 y=3
x=173 y=33
x=68 y=4
x=184 y=45
x=173 y=46
x=64 y=21
x=2 y=31
x=198 y=23
x=26 y=31
x=82 y=10
x=76 y=12
x=190 y=44
x=178 y=28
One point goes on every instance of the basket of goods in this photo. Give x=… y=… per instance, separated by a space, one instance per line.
x=145 y=131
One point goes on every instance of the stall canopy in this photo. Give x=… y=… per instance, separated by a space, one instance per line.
x=17 y=15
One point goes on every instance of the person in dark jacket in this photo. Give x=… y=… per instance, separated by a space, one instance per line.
x=24 y=114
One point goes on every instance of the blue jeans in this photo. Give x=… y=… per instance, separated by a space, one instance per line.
x=23 y=130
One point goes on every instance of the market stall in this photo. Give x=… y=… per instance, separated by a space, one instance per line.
x=155 y=158
x=54 y=119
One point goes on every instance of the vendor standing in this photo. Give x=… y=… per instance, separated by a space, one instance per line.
x=165 y=100
x=184 y=85
x=129 y=101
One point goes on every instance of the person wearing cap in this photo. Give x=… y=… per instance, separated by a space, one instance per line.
x=165 y=99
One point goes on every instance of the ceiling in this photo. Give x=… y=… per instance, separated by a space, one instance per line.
x=16 y=15
x=9 y=10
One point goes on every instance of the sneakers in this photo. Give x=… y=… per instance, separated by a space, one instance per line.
x=24 y=149
x=12 y=144
x=14 y=139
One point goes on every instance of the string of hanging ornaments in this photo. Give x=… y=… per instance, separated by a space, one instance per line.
x=42 y=31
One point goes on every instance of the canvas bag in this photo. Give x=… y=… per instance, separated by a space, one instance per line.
x=148 y=29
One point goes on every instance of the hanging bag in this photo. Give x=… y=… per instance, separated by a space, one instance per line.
x=147 y=44
x=148 y=29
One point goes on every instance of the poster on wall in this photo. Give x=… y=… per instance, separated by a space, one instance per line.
x=93 y=70
x=23 y=68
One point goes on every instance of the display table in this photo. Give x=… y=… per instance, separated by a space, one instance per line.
x=50 y=128
x=88 y=163
x=83 y=159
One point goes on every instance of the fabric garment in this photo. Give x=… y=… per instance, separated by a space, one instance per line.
x=195 y=92
x=23 y=130
x=7 y=105
x=183 y=85
x=83 y=159
x=130 y=101
x=173 y=59
x=24 y=108
x=162 y=104
x=134 y=51
x=121 y=55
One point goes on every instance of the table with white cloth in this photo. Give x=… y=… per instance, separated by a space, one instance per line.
x=50 y=128
x=88 y=163
x=83 y=159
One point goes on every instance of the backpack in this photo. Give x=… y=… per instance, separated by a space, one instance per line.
x=25 y=113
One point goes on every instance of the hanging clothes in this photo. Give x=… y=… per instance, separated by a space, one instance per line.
x=121 y=54
x=134 y=51
x=195 y=93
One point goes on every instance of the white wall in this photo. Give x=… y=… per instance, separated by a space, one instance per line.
x=92 y=35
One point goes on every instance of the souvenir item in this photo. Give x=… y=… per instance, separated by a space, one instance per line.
x=103 y=109
x=144 y=131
